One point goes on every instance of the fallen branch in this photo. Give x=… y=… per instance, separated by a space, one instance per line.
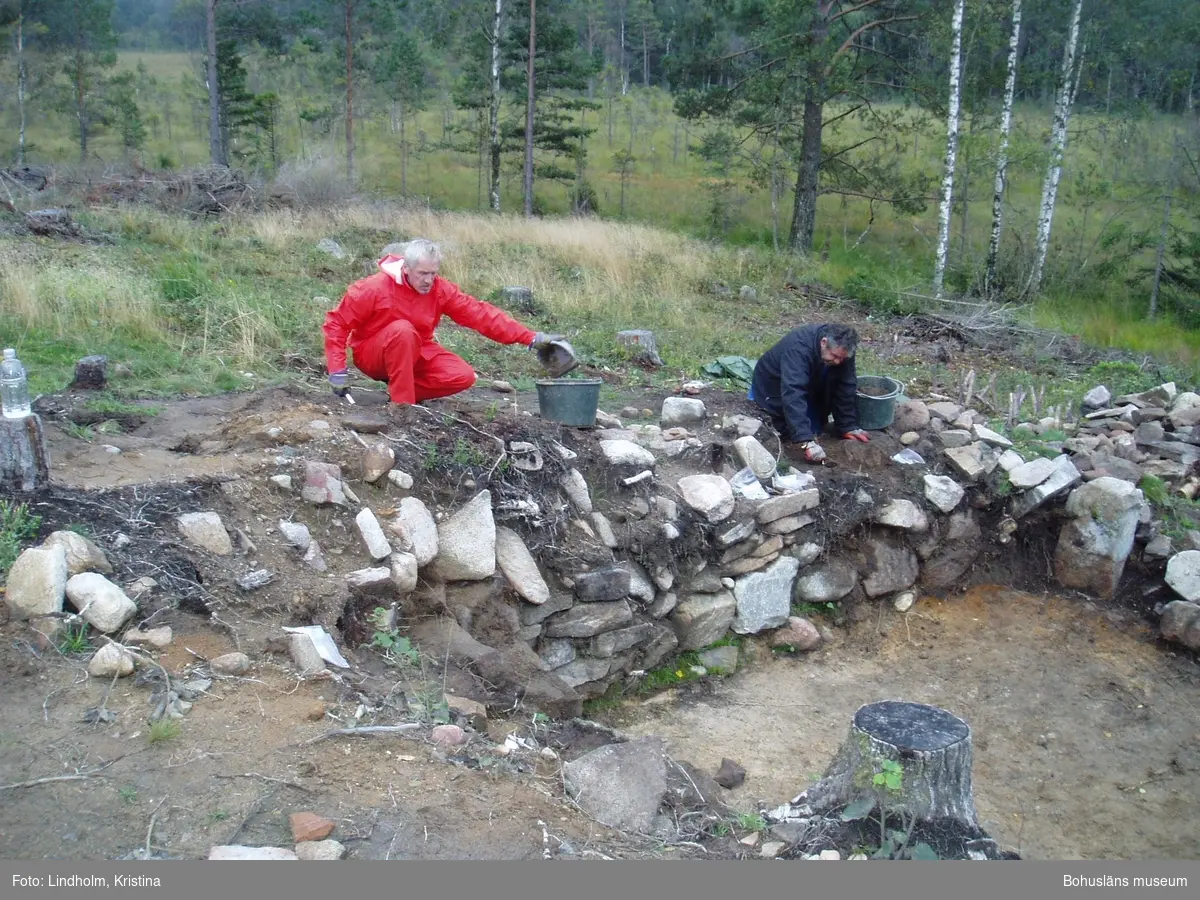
x=365 y=729
x=79 y=776
x=294 y=784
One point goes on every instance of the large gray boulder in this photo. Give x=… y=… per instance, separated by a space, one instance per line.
x=101 y=603
x=37 y=582
x=620 y=785
x=519 y=566
x=467 y=542
x=709 y=495
x=764 y=599
x=415 y=530
x=826 y=583
x=891 y=566
x=1093 y=546
x=82 y=554
x=702 y=619
x=1183 y=574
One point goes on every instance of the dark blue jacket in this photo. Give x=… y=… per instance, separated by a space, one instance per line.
x=794 y=384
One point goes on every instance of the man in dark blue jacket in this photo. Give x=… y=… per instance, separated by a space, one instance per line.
x=805 y=378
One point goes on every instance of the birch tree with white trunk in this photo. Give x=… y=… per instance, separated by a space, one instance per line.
x=943 y=242
x=494 y=110
x=1058 y=143
x=1010 y=90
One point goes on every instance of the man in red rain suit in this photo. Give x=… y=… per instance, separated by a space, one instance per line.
x=388 y=320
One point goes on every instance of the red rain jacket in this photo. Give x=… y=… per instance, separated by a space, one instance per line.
x=378 y=300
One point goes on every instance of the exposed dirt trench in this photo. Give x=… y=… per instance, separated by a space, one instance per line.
x=1086 y=734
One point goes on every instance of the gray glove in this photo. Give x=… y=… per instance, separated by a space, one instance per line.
x=340 y=382
x=542 y=339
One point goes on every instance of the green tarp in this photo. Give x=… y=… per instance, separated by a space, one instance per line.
x=736 y=368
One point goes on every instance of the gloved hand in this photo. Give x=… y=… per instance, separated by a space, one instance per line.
x=813 y=452
x=542 y=339
x=857 y=435
x=340 y=382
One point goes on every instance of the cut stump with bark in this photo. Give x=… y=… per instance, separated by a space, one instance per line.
x=933 y=749
x=642 y=346
x=24 y=460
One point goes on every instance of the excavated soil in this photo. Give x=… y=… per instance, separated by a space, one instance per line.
x=1086 y=730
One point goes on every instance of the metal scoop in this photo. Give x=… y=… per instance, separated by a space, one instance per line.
x=557 y=358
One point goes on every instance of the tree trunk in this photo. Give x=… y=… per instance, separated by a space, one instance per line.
x=350 y=90
x=494 y=111
x=933 y=749
x=403 y=152
x=1010 y=86
x=804 y=209
x=943 y=241
x=645 y=58
x=216 y=146
x=1158 y=256
x=1062 y=116
x=529 y=76
x=624 y=70
x=24 y=460
x=21 y=87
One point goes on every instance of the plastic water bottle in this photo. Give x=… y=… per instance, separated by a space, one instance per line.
x=14 y=388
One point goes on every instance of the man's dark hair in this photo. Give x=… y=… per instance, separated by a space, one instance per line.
x=842 y=336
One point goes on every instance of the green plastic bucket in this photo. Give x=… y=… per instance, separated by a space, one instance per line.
x=877 y=409
x=571 y=401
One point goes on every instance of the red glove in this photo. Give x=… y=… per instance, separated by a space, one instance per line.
x=857 y=435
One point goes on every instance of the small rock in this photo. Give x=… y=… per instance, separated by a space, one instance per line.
x=799 y=633
x=206 y=531
x=730 y=775
x=682 y=411
x=323 y=484
x=158 y=638
x=829 y=854
x=372 y=535
x=102 y=604
x=576 y=488
x=909 y=438
x=771 y=849
x=991 y=437
x=709 y=495
x=402 y=480
x=313 y=558
x=902 y=514
x=1183 y=574
x=471 y=710
x=37 y=582
x=626 y=453
x=308 y=826
x=904 y=601
x=1097 y=398
x=503 y=387
x=318 y=850
x=110 y=660
x=754 y=455
x=317 y=711
x=377 y=461
x=296 y=534
x=1031 y=474
x=283 y=482
x=943 y=492
x=82 y=554
x=450 y=735
x=308 y=661
x=629 y=412
x=252 y=581
x=230 y=664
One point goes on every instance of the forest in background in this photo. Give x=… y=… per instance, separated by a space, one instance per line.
x=698 y=117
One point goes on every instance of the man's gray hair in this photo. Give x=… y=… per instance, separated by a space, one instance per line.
x=419 y=250
x=842 y=337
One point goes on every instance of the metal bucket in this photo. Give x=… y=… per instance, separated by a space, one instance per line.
x=571 y=401
x=877 y=411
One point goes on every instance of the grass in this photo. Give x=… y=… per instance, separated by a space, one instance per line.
x=74 y=640
x=1179 y=515
x=163 y=731
x=18 y=526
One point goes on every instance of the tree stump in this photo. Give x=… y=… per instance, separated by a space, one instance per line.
x=24 y=460
x=91 y=373
x=642 y=346
x=933 y=749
